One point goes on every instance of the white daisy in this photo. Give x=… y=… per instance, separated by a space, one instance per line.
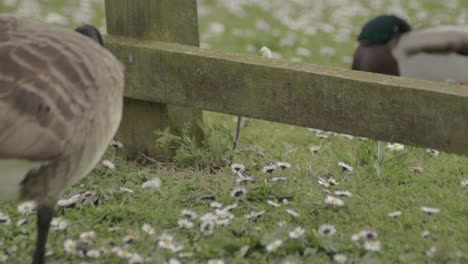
x=281 y=223
x=125 y=190
x=431 y=252
x=395 y=147
x=274 y=245
x=222 y=213
x=129 y=237
x=184 y=223
x=148 y=229
x=93 y=253
x=283 y=165
x=122 y=253
x=340 y=258
x=167 y=242
x=185 y=254
x=296 y=232
x=253 y=216
x=342 y=193
x=223 y=221
x=464 y=183
x=70 y=201
x=425 y=233
x=215 y=205
x=20 y=222
x=116 y=144
x=324 y=182
x=274 y=204
x=3 y=257
x=70 y=246
x=320 y=135
x=292 y=213
x=189 y=214
x=372 y=245
x=108 y=164
x=207 y=227
x=90 y=235
x=238 y=192
x=433 y=152
x=430 y=210
x=327 y=182
x=266 y=52
x=237 y=168
x=333 y=201
x=245 y=179
x=208 y=217
x=279 y=179
x=269 y=168
x=327 y=51
x=345 y=166
x=113 y=228
x=364 y=235
x=314 y=149
x=326 y=230
x=58 y=223
x=135 y=259
x=231 y=207
x=27 y=207
x=350 y=137
x=215 y=261
x=154 y=183
x=173 y=261
x=395 y=214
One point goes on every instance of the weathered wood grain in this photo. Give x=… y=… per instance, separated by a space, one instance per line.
x=165 y=20
x=377 y=106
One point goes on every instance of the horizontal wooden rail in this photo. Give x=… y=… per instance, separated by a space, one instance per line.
x=408 y=111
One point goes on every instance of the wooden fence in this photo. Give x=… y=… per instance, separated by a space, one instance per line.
x=170 y=80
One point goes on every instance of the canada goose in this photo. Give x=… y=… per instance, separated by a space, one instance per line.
x=61 y=97
x=91 y=32
x=387 y=45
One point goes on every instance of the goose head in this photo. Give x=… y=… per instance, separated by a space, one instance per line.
x=91 y=32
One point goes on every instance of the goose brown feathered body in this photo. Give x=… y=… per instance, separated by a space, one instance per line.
x=61 y=97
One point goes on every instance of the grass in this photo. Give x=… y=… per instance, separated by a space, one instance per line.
x=399 y=187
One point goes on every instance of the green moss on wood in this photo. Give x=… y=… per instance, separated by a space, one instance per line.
x=165 y=20
x=383 y=107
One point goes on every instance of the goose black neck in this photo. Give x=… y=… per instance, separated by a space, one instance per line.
x=91 y=32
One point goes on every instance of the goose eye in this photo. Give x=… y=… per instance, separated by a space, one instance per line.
x=396 y=28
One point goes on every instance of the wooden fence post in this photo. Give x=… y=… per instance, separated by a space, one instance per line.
x=162 y=20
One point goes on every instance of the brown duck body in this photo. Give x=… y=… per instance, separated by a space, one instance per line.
x=375 y=58
x=61 y=97
x=436 y=54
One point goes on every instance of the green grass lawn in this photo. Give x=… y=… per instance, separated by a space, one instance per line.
x=320 y=32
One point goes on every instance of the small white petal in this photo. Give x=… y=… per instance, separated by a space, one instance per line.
x=430 y=210
x=297 y=232
x=273 y=246
x=394 y=214
x=108 y=164
x=372 y=245
x=154 y=183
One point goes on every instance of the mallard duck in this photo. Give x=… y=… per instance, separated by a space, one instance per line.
x=61 y=103
x=387 y=45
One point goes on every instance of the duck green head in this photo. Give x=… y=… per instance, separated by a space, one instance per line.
x=383 y=29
